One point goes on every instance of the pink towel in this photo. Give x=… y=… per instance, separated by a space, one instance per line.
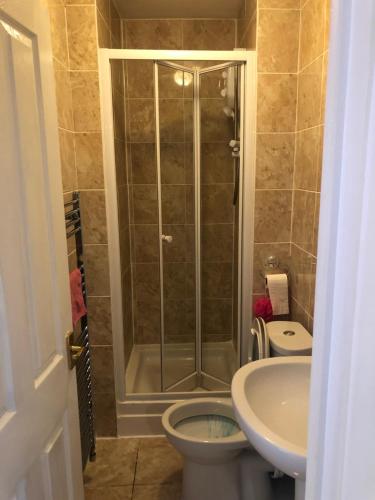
x=263 y=308
x=76 y=296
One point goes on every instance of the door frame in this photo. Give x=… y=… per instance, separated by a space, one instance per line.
x=341 y=458
x=245 y=283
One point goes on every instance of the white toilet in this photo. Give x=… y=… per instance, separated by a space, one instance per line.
x=215 y=451
x=219 y=462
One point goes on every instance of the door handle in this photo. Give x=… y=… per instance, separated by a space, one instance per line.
x=74 y=352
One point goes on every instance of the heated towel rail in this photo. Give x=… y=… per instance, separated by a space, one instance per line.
x=81 y=338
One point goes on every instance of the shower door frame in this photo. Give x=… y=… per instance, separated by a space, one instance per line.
x=246 y=198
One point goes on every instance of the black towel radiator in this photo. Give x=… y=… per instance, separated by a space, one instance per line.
x=81 y=338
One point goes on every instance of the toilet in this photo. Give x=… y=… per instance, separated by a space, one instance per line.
x=219 y=462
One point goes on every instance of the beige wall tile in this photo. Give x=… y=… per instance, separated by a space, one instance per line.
x=217 y=242
x=93 y=216
x=97 y=270
x=115 y=27
x=324 y=87
x=301 y=276
x=312 y=31
x=199 y=34
x=297 y=313
x=272 y=216
x=145 y=204
x=276 y=106
x=104 y=33
x=303 y=219
x=143 y=163
x=102 y=369
x=275 y=161
x=68 y=167
x=63 y=97
x=109 y=492
x=141 y=120
x=100 y=328
x=216 y=316
x=80 y=2
x=173 y=201
x=139 y=79
x=217 y=280
x=327 y=23
x=105 y=425
x=217 y=203
x=147 y=326
x=274 y=26
x=88 y=148
x=58 y=33
x=146 y=243
x=309 y=95
x=308 y=159
x=82 y=37
x=215 y=163
x=215 y=126
x=279 y=4
x=104 y=9
x=153 y=34
x=86 y=106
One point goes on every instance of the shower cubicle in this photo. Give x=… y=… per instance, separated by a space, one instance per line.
x=178 y=141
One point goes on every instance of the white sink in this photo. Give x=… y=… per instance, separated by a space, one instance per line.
x=271 y=402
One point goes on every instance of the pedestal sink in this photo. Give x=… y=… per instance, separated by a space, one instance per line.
x=271 y=401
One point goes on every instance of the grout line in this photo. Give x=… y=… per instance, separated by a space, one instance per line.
x=135 y=471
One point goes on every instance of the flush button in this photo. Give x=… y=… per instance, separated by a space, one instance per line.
x=289 y=333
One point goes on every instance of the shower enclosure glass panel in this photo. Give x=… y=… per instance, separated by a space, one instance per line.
x=179 y=206
x=175 y=149
x=219 y=110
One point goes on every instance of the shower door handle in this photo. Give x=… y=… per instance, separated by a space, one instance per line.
x=167 y=238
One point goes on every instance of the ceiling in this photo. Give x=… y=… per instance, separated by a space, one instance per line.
x=159 y=9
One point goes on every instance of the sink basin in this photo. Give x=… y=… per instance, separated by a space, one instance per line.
x=271 y=403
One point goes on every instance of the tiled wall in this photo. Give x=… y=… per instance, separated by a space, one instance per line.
x=247 y=25
x=313 y=56
x=77 y=29
x=276 y=120
x=290 y=117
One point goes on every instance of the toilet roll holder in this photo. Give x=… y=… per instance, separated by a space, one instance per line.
x=272 y=266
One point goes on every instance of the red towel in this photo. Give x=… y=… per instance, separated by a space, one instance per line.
x=76 y=296
x=263 y=308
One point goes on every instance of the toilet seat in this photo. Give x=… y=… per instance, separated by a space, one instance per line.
x=204 y=407
x=259 y=345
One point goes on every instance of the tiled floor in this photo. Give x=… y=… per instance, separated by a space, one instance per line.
x=145 y=469
x=134 y=469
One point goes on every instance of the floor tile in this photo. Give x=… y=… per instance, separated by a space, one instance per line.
x=157 y=492
x=158 y=462
x=115 y=463
x=109 y=493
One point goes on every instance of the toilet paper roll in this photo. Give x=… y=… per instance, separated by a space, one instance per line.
x=278 y=291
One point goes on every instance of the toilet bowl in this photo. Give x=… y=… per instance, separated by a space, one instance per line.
x=207 y=435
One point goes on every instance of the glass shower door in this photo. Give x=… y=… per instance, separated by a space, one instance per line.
x=219 y=142
x=175 y=150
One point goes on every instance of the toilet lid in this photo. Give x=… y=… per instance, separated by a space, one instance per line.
x=289 y=338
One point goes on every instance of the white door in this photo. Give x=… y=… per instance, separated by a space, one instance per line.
x=39 y=434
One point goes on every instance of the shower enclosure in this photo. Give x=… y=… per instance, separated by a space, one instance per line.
x=178 y=153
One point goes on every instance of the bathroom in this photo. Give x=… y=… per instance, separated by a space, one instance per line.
x=191 y=156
